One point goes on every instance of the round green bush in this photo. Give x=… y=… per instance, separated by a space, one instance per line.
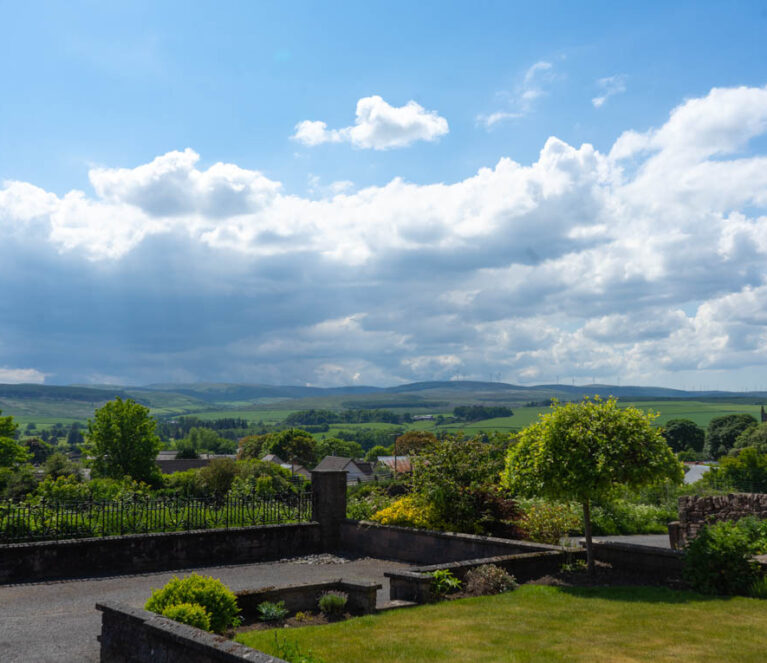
x=719 y=560
x=216 y=598
x=332 y=604
x=188 y=613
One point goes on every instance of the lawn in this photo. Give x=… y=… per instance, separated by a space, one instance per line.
x=541 y=623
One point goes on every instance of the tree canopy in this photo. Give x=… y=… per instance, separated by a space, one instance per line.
x=722 y=432
x=122 y=442
x=684 y=434
x=582 y=451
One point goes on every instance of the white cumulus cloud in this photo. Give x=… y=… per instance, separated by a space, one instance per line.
x=377 y=126
x=644 y=263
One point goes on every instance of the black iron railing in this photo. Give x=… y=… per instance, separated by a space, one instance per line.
x=54 y=521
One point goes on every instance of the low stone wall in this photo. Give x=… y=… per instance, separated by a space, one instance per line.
x=695 y=512
x=415 y=585
x=136 y=553
x=133 y=635
x=362 y=596
x=420 y=546
x=660 y=564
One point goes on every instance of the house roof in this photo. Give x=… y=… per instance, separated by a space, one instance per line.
x=273 y=458
x=335 y=463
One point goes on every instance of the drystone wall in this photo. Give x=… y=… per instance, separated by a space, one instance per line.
x=695 y=512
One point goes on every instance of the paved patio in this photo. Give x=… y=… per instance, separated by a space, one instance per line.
x=57 y=621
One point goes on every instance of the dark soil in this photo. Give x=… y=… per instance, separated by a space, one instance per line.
x=307 y=619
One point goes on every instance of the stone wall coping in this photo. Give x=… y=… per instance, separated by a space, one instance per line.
x=355 y=584
x=468 y=563
x=193 y=639
x=536 y=547
x=149 y=535
x=637 y=547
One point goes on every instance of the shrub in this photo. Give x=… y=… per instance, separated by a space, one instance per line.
x=192 y=614
x=272 y=612
x=443 y=582
x=548 y=522
x=489 y=579
x=302 y=616
x=217 y=599
x=408 y=511
x=758 y=589
x=332 y=604
x=719 y=560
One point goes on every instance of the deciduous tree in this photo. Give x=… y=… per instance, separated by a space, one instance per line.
x=122 y=442
x=581 y=451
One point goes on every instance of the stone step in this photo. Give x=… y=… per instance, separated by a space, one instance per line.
x=396 y=603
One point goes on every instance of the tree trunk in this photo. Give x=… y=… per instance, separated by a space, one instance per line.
x=587 y=532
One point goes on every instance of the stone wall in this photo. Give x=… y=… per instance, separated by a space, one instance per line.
x=420 y=546
x=694 y=512
x=659 y=564
x=133 y=635
x=136 y=553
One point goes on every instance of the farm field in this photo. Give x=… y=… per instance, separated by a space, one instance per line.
x=538 y=623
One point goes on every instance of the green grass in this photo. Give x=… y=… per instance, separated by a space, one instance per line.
x=536 y=623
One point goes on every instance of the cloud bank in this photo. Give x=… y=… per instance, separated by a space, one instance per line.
x=645 y=264
x=377 y=126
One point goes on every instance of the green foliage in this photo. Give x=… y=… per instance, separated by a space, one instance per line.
x=59 y=465
x=363 y=501
x=191 y=614
x=489 y=579
x=17 y=482
x=754 y=436
x=333 y=604
x=683 y=435
x=722 y=433
x=289 y=651
x=295 y=445
x=334 y=446
x=718 y=560
x=745 y=472
x=205 y=440
x=619 y=516
x=454 y=476
x=548 y=522
x=12 y=453
x=218 y=475
x=38 y=449
x=215 y=597
x=272 y=612
x=758 y=589
x=378 y=450
x=414 y=442
x=479 y=412
x=582 y=451
x=292 y=445
x=122 y=442
x=443 y=582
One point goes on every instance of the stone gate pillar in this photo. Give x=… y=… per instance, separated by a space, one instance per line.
x=329 y=505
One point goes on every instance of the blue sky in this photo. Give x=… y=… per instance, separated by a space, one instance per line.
x=373 y=193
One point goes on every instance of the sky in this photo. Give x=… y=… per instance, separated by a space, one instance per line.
x=376 y=193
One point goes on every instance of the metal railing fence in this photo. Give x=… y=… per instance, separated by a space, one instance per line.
x=56 y=520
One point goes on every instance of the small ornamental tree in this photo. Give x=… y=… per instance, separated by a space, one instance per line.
x=581 y=451
x=122 y=442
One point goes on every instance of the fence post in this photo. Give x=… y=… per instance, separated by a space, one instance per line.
x=329 y=505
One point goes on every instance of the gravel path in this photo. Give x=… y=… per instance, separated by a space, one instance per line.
x=57 y=621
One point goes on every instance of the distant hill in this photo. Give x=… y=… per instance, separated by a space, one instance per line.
x=32 y=401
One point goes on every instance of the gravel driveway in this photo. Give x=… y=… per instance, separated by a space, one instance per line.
x=57 y=621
